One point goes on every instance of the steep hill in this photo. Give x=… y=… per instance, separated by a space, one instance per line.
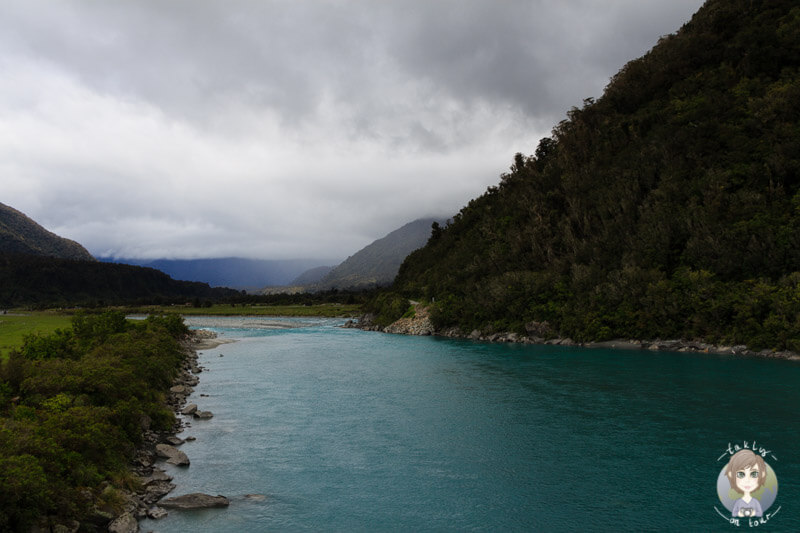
x=21 y=235
x=667 y=208
x=377 y=263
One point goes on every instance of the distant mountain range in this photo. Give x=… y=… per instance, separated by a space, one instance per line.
x=233 y=272
x=377 y=264
x=19 y=234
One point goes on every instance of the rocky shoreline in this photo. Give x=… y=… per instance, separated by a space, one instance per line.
x=541 y=333
x=155 y=483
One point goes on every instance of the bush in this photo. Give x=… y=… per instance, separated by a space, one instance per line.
x=79 y=399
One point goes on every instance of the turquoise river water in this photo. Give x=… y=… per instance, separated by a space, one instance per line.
x=320 y=428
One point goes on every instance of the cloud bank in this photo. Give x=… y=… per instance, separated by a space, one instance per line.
x=285 y=129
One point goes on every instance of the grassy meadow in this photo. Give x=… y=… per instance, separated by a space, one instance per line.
x=14 y=327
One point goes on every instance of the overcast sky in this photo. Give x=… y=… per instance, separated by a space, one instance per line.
x=287 y=128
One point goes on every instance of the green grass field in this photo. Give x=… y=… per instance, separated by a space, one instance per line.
x=14 y=327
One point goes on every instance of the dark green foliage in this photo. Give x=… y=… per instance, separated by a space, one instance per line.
x=387 y=307
x=670 y=207
x=72 y=406
x=49 y=281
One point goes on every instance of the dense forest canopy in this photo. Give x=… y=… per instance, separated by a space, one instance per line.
x=669 y=207
x=31 y=280
x=73 y=406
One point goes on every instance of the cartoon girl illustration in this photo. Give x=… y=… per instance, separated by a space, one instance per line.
x=746 y=472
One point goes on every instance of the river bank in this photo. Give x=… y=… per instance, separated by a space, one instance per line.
x=151 y=482
x=540 y=333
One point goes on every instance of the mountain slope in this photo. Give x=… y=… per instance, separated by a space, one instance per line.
x=311 y=276
x=667 y=208
x=377 y=263
x=20 y=234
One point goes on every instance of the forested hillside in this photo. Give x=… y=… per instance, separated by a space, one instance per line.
x=46 y=281
x=21 y=235
x=669 y=207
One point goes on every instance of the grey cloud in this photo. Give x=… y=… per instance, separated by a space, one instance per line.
x=298 y=128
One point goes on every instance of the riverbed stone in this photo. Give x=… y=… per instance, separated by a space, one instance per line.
x=173 y=455
x=189 y=409
x=156 y=513
x=196 y=500
x=126 y=523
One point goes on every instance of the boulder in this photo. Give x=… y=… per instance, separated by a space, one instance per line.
x=155 y=477
x=203 y=414
x=175 y=441
x=189 y=409
x=124 y=524
x=195 y=500
x=173 y=455
x=156 y=491
x=156 y=513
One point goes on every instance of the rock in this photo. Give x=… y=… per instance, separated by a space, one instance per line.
x=178 y=389
x=255 y=497
x=156 y=513
x=173 y=455
x=155 y=477
x=175 y=441
x=124 y=524
x=190 y=438
x=156 y=491
x=203 y=414
x=189 y=409
x=195 y=500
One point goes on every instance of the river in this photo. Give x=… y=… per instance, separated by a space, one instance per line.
x=320 y=428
